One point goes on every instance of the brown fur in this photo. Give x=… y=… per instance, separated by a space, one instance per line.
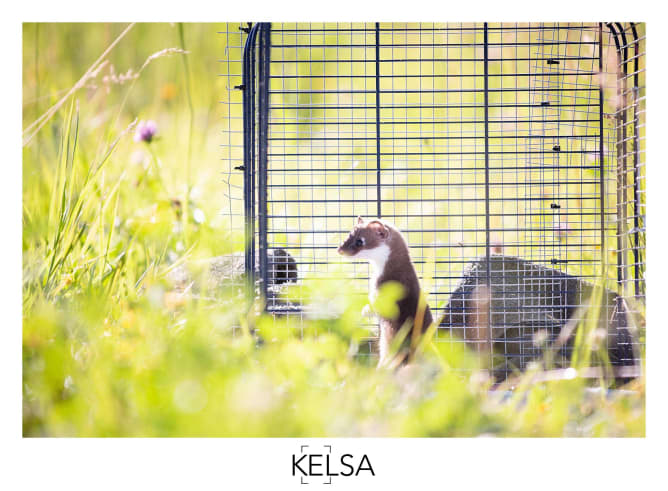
x=398 y=267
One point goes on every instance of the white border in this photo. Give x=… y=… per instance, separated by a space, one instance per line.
x=265 y=463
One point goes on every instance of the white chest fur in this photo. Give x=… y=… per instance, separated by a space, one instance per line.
x=377 y=257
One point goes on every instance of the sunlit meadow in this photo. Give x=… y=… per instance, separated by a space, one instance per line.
x=123 y=183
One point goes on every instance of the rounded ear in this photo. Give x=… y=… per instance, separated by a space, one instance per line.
x=379 y=229
x=360 y=221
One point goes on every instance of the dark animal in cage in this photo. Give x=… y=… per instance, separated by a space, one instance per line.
x=223 y=271
x=510 y=156
x=524 y=307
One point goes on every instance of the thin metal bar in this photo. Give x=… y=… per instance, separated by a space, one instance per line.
x=409 y=185
x=392 y=154
x=443 y=60
x=441 y=75
x=378 y=165
x=264 y=81
x=248 y=87
x=323 y=121
x=591 y=88
x=636 y=162
x=501 y=28
x=431 y=45
x=487 y=200
x=595 y=213
x=601 y=155
x=544 y=199
x=619 y=138
x=473 y=245
x=434 y=137
x=253 y=176
x=427 y=106
x=624 y=155
x=426 y=168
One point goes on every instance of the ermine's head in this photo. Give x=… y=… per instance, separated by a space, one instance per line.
x=368 y=240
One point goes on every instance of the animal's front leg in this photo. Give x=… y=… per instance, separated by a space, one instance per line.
x=383 y=344
x=367 y=311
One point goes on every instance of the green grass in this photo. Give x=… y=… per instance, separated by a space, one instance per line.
x=109 y=349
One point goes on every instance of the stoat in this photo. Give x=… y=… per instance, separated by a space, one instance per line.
x=385 y=248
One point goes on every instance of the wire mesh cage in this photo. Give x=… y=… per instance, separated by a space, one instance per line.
x=510 y=156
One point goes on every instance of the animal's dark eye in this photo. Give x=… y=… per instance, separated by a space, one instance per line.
x=359 y=243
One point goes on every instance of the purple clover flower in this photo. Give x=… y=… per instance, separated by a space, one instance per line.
x=145 y=131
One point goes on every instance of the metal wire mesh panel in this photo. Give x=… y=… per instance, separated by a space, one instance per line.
x=485 y=144
x=232 y=37
x=624 y=84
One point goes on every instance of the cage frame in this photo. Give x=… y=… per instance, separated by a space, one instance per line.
x=628 y=116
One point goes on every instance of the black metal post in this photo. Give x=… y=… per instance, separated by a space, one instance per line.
x=252 y=90
x=248 y=80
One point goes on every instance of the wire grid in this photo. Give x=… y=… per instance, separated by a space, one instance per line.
x=625 y=111
x=475 y=140
x=232 y=36
x=629 y=117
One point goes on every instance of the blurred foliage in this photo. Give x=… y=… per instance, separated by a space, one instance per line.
x=111 y=349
